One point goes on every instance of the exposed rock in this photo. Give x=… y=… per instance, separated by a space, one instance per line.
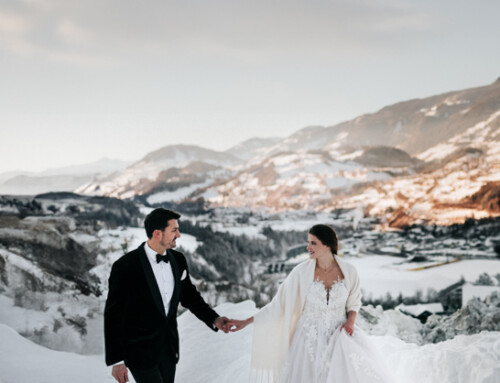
x=40 y=242
x=46 y=231
x=474 y=317
x=401 y=218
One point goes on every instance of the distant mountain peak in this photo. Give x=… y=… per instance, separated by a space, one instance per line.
x=253 y=147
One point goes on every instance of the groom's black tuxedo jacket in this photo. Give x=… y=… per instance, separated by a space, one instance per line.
x=136 y=329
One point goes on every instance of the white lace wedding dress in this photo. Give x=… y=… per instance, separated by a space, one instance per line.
x=320 y=352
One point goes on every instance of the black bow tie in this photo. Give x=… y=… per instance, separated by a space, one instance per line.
x=160 y=258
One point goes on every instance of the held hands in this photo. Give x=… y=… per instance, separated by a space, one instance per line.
x=238 y=325
x=233 y=325
x=120 y=373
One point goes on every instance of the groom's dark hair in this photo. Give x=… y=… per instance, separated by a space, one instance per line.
x=327 y=236
x=158 y=220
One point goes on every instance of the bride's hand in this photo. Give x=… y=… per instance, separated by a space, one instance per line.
x=237 y=325
x=348 y=327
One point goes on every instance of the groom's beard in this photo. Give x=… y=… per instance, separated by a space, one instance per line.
x=169 y=245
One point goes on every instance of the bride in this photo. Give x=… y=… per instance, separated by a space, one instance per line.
x=307 y=332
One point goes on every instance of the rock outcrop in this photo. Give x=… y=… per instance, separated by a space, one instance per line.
x=475 y=316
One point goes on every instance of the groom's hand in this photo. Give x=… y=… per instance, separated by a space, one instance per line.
x=223 y=324
x=120 y=373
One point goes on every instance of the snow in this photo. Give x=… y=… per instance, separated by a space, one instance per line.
x=376 y=176
x=39 y=323
x=22 y=361
x=339 y=182
x=210 y=194
x=114 y=237
x=188 y=242
x=379 y=275
x=350 y=156
x=178 y=194
x=455 y=186
x=206 y=356
x=470 y=291
x=464 y=359
x=437 y=152
x=478 y=132
x=490 y=177
x=454 y=101
x=82 y=238
x=430 y=112
x=250 y=230
x=21 y=319
x=22 y=263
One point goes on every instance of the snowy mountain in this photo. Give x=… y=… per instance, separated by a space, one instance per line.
x=291 y=181
x=154 y=169
x=461 y=178
x=67 y=178
x=252 y=147
x=413 y=126
x=442 y=165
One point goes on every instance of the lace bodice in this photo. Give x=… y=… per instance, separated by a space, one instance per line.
x=326 y=305
x=323 y=313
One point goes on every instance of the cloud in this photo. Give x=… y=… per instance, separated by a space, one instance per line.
x=73 y=34
x=250 y=32
x=12 y=23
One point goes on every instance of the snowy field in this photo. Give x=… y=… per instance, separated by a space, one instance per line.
x=225 y=358
x=380 y=274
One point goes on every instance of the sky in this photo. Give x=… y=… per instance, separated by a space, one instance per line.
x=90 y=79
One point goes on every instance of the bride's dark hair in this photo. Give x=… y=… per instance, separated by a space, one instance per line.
x=327 y=236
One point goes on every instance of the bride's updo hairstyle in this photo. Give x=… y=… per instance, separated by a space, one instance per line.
x=327 y=236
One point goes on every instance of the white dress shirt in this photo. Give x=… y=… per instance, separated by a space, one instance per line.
x=163 y=275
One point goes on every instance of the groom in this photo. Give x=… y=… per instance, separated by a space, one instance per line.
x=145 y=288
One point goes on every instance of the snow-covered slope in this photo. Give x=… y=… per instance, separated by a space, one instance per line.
x=449 y=182
x=22 y=361
x=442 y=192
x=141 y=176
x=455 y=136
x=291 y=181
x=209 y=357
x=253 y=147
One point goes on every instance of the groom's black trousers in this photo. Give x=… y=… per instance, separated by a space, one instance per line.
x=163 y=373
